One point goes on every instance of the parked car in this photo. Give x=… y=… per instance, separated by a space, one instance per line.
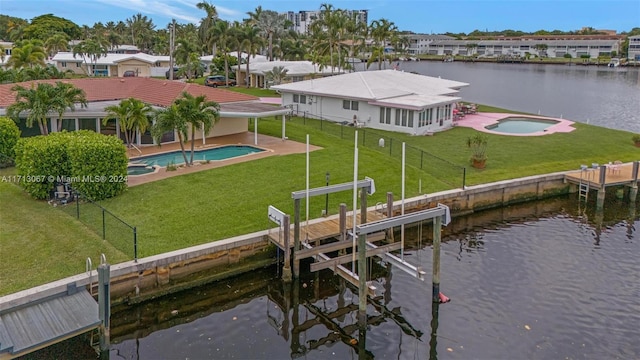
x=175 y=73
x=129 y=73
x=218 y=80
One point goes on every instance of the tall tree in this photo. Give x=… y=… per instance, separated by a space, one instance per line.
x=27 y=53
x=199 y=113
x=206 y=23
x=221 y=36
x=57 y=42
x=36 y=102
x=270 y=24
x=381 y=31
x=132 y=115
x=252 y=43
x=66 y=96
x=170 y=119
x=92 y=50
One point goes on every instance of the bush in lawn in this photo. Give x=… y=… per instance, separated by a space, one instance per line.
x=95 y=164
x=98 y=163
x=9 y=136
x=41 y=160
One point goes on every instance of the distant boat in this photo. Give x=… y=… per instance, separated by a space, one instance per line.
x=615 y=62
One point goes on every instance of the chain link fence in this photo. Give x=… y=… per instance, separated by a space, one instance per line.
x=442 y=169
x=110 y=227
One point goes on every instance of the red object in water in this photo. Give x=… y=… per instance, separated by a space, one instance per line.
x=443 y=298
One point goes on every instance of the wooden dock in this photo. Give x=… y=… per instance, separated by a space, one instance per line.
x=623 y=175
x=321 y=229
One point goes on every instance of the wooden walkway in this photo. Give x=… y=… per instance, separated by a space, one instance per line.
x=322 y=229
x=623 y=176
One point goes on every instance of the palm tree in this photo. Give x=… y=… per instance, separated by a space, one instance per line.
x=66 y=97
x=27 y=53
x=206 y=23
x=91 y=49
x=184 y=48
x=237 y=39
x=37 y=102
x=132 y=114
x=276 y=75
x=270 y=24
x=221 y=36
x=170 y=119
x=199 y=113
x=141 y=28
x=381 y=31
x=252 y=43
x=57 y=42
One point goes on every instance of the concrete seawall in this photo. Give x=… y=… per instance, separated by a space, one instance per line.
x=162 y=274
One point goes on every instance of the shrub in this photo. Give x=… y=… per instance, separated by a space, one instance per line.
x=98 y=164
x=9 y=136
x=95 y=164
x=41 y=160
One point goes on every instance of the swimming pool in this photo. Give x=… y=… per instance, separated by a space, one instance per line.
x=521 y=125
x=139 y=169
x=219 y=153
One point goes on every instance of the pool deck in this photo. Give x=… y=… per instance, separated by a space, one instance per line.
x=273 y=145
x=478 y=122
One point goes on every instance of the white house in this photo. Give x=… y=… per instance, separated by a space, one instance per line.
x=296 y=71
x=386 y=99
x=111 y=64
x=633 y=52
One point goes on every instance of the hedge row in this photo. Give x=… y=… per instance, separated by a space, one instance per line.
x=95 y=164
x=9 y=136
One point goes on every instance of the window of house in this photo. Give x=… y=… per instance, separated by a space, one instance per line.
x=349 y=105
x=78 y=64
x=303 y=99
x=385 y=115
x=63 y=64
x=297 y=78
x=296 y=98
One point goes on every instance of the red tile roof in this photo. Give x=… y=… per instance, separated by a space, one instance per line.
x=152 y=91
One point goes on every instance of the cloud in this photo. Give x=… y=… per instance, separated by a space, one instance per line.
x=181 y=9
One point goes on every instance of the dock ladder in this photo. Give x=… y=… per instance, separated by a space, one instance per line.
x=583 y=186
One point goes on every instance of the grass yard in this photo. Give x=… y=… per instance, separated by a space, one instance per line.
x=40 y=244
x=222 y=202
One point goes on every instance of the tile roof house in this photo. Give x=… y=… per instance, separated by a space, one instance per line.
x=385 y=99
x=235 y=108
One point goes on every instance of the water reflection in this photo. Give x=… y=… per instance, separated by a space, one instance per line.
x=549 y=279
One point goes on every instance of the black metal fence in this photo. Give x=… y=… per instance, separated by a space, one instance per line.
x=442 y=169
x=110 y=227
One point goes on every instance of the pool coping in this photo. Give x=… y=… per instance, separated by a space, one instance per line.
x=479 y=121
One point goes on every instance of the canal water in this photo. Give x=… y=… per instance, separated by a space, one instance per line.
x=598 y=95
x=543 y=280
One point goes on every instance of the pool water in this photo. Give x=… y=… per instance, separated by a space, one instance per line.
x=139 y=170
x=219 y=153
x=521 y=125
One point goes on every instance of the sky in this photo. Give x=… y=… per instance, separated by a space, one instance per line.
x=419 y=16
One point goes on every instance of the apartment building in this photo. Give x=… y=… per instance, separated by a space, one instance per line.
x=301 y=21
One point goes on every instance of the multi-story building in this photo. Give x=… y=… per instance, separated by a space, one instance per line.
x=633 y=52
x=301 y=21
x=419 y=43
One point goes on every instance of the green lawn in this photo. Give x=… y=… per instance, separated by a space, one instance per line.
x=219 y=203
x=40 y=244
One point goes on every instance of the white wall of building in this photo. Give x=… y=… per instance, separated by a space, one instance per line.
x=332 y=109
